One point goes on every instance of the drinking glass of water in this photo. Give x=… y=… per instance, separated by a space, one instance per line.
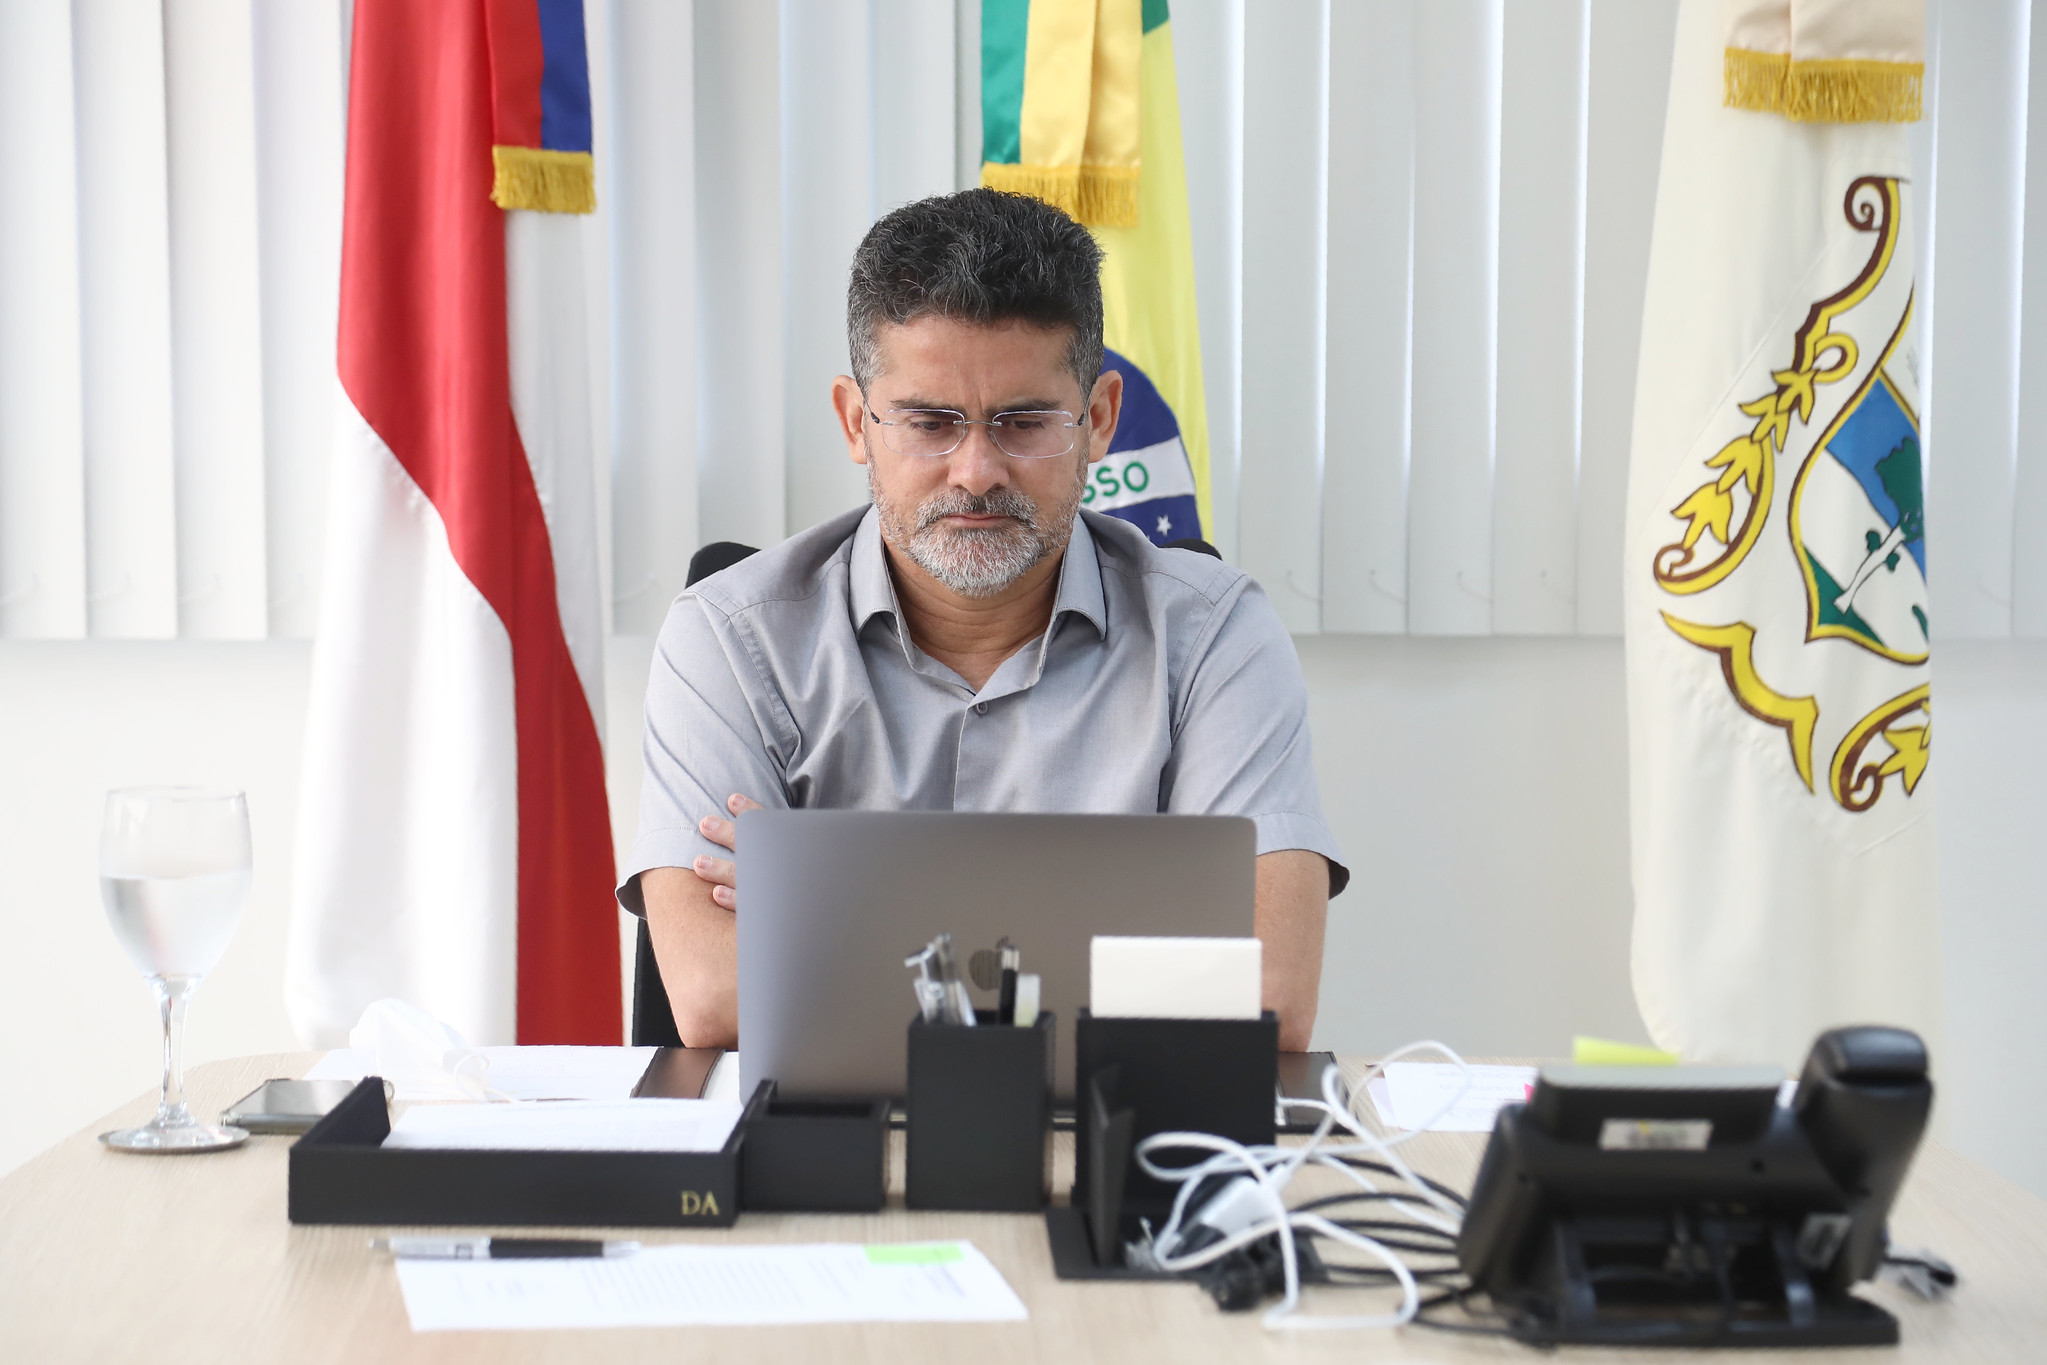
x=174 y=871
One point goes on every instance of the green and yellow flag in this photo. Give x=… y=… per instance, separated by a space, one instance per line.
x=1079 y=107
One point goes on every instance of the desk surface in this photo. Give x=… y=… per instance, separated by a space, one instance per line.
x=110 y=1257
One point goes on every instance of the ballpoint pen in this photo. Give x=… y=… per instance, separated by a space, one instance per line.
x=1012 y=962
x=498 y=1248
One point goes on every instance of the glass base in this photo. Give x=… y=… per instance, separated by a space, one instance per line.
x=183 y=1137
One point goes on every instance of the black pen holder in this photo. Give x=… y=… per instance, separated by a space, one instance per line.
x=1216 y=1076
x=813 y=1155
x=980 y=1115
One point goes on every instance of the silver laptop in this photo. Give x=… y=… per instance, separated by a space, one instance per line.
x=831 y=902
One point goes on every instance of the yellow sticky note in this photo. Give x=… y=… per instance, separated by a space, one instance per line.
x=1605 y=1052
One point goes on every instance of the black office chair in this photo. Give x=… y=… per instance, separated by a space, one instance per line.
x=653 y=1020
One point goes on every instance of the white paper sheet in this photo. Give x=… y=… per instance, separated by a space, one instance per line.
x=1409 y=1092
x=713 y=1285
x=646 y=1125
x=522 y=1073
x=723 y=1082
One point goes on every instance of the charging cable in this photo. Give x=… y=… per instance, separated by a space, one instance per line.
x=1250 y=1206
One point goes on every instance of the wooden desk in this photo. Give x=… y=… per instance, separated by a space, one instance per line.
x=107 y=1257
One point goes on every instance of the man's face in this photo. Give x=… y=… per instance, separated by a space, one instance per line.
x=977 y=519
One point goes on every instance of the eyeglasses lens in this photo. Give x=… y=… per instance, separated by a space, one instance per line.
x=933 y=432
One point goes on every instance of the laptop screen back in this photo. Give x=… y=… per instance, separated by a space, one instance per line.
x=831 y=902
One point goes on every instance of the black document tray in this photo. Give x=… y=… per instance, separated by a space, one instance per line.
x=340 y=1172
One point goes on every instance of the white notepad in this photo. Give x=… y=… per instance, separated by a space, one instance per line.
x=647 y=1125
x=1173 y=978
x=1409 y=1093
x=712 y=1286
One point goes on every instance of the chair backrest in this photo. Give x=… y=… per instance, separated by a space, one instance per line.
x=653 y=1019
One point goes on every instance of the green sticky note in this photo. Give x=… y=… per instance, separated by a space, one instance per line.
x=1603 y=1052
x=915 y=1253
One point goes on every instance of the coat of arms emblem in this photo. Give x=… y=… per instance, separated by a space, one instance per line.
x=1799 y=558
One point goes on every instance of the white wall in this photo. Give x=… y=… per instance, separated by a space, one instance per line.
x=1478 y=787
x=78 y=1028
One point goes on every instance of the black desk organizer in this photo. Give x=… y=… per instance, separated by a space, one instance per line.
x=980 y=1116
x=340 y=1172
x=1138 y=1077
x=814 y=1156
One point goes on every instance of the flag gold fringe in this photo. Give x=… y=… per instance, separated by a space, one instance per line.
x=1755 y=80
x=1847 y=91
x=1100 y=196
x=1854 y=92
x=536 y=178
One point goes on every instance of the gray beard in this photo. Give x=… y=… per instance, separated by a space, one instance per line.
x=976 y=563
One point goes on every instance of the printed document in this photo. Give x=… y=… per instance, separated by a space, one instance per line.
x=1408 y=1093
x=713 y=1285
x=646 y=1125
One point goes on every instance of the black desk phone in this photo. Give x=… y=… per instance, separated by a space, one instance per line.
x=1687 y=1206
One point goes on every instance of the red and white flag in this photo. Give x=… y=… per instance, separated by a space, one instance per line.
x=454 y=847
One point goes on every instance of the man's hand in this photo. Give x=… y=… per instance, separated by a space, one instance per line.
x=696 y=939
x=1292 y=909
x=721 y=874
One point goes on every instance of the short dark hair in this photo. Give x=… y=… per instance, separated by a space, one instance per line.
x=979 y=256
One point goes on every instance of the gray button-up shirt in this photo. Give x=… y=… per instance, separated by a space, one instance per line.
x=1164 y=683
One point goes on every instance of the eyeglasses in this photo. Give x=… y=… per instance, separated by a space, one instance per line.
x=931 y=432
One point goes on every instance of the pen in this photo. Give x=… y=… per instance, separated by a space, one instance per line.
x=497 y=1248
x=1012 y=961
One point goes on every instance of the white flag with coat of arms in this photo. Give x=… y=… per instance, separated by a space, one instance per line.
x=1778 y=639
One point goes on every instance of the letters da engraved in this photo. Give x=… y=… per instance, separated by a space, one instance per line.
x=700 y=1204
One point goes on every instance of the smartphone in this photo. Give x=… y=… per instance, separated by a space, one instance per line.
x=282 y=1106
x=1300 y=1078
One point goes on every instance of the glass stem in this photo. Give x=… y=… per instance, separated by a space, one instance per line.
x=172 y=992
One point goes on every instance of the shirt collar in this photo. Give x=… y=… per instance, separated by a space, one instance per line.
x=1080 y=580
x=873 y=592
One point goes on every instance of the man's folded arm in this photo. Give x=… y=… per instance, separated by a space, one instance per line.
x=696 y=941
x=1241 y=747
x=703 y=743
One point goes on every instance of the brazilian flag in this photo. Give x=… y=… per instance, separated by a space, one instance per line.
x=1079 y=107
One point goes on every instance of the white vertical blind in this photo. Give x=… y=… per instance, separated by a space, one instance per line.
x=42 y=461
x=1541 y=317
x=1420 y=231
x=1455 y=316
x=740 y=417
x=2029 y=499
x=1286 y=75
x=299 y=149
x=1370 y=319
x=216 y=320
x=913 y=85
x=124 y=288
x=1627 y=91
x=829 y=167
x=648 y=179
x=1208 y=51
x=1980 y=145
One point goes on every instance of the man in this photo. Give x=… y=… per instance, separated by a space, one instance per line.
x=972 y=640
